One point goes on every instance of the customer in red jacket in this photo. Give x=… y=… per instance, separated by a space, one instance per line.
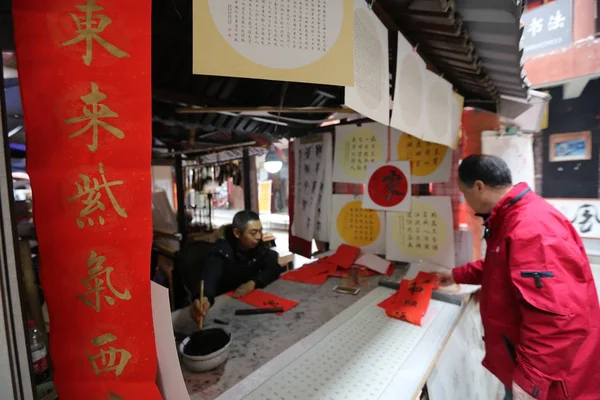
x=539 y=304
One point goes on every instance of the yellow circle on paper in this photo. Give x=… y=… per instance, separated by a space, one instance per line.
x=420 y=233
x=272 y=48
x=425 y=157
x=358 y=226
x=359 y=148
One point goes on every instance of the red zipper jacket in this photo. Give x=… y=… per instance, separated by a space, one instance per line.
x=539 y=304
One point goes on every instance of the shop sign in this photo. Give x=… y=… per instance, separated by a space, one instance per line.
x=548 y=27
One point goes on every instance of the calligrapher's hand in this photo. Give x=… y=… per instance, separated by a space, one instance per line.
x=445 y=278
x=520 y=394
x=199 y=308
x=244 y=289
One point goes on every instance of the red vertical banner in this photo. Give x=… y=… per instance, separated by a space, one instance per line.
x=84 y=68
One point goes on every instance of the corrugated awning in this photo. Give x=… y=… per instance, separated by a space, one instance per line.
x=473 y=43
x=494 y=27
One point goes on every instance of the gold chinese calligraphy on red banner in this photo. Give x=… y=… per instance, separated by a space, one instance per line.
x=84 y=68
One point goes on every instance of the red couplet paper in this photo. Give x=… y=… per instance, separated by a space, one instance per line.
x=315 y=273
x=84 y=69
x=260 y=299
x=336 y=265
x=411 y=301
x=344 y=257
x=362 y=272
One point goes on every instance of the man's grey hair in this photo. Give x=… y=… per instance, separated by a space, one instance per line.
x=243 y=218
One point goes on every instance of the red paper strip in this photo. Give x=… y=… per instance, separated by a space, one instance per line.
x=84 y=71
x=427 y=278
x=362 y=272
x=411 y=301
x=344 y=257
x=315 y=273
x=313 y=280
x=263 y=300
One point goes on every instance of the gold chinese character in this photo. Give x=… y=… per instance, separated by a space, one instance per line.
x=114 y=396
x=99 y=275
x=108 y=360
x=89 y=27
x=94 y=116
x=92 y=188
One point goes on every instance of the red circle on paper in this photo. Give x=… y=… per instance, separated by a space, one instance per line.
x=388 y=186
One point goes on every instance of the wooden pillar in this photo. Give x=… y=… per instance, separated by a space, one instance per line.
x=584 y=23
x=32 y=295
x=180 y=185
x=246 y=179
x=15 y=380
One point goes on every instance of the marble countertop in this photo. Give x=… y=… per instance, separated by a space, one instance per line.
x=259 y=338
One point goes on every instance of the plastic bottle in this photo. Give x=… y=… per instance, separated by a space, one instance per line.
x=39 y=354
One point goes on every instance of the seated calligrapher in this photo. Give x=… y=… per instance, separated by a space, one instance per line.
x=239 y=262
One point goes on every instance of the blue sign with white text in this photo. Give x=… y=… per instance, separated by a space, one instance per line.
x=548 y=27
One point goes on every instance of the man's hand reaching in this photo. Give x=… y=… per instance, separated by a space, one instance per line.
x=244 y=289
x=445 y=278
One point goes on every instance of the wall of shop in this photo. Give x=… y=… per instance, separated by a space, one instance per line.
x=279 y=184
x=163 y=179
x=236 y=193
x=572 y=179
x=474 y=122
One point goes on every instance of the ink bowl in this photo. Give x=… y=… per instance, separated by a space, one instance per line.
x=206 y=349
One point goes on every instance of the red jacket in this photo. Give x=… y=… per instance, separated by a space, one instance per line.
x=539 y=304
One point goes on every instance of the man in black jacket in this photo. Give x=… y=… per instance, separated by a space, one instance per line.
x=239 y=262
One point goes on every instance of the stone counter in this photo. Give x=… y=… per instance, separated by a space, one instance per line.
x=259 y=338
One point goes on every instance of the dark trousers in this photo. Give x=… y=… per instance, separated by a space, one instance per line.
x=508 y=395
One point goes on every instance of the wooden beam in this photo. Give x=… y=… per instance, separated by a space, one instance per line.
x=214 y=149
x=297 y=110
x=180 y=184
x=247 y=179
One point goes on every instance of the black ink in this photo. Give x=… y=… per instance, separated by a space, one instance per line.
x=585 y=217
x=392 y=182
x=206 y=342
x=414 y=288
x=319 y=150
x=271 y=303
x=307 y=152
